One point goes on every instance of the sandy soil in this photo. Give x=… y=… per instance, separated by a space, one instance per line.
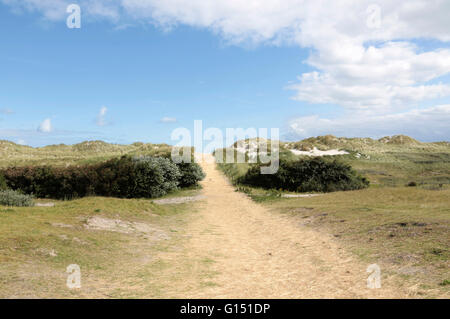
x=256 y=253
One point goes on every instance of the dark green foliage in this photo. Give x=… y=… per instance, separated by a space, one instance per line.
x=125 y=177
x=191 y=173
x=307 y=175
x=155 y=176
x=3 y=185
x=14 y=198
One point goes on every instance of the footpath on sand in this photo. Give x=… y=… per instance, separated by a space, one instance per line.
x=256 y=253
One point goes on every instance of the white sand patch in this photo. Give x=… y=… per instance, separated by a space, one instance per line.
x=178 y=200
x=316 y=152
x=44 y=204
x=299 y=195
x=124 y=227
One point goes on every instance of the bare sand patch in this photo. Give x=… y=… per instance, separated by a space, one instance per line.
x=178 y=200
x=316 y=152
x=44 y=204
x=299 y=195
x=125 y=227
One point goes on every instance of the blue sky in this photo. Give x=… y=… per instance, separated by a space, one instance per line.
x=54 y=81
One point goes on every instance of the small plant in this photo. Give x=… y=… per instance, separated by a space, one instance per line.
x=412 y=184
x=445 y=282
x=14 y=198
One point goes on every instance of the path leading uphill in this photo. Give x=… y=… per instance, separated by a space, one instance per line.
x=255 y=253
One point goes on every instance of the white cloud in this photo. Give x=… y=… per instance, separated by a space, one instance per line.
x=168 y=120
x=101 y=116
x=45 y=126
x=379 y=70
x=349 y=71
x=429 y=124
x=6 y=111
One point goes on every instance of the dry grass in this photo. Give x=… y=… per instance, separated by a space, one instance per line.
x=12 y=154
x=38 y=243
x=404 y=230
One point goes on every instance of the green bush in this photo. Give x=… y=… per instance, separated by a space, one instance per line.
x=3 y=185
x=191 y=174
x=306 y=175
x=14 y=198
x=124 y=177
x=155 y=176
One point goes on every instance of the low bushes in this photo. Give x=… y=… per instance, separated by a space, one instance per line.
x=124 y=177
x=14 y=198
x=191 y=173
x=306 y=175
x=155 y=176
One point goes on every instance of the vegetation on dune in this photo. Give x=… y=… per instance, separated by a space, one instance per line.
x=406 y=230
x=14 y=198
x=306 y=175
x=191 y=173
x=89 y=152
x=124 y=177
x=3 y=185
x=387 y=162
x=42 y=241
x=154 y=177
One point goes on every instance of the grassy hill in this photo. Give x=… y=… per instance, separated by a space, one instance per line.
x=82 y=153
x=389 y=161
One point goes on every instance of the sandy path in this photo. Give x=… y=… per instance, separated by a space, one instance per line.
x=260 y=254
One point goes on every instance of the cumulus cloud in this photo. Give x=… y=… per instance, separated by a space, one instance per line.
x=359 y=63
x=168 y=120
x=364 y=55
x=45 y=126
x=429 y=124
x=100 y=120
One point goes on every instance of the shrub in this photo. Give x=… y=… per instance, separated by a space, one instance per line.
x=191 y=174
x=14 y=198
x=3 y=185
x=124 y=177
x=155 y=176
x=412 y=184
x=307 y=175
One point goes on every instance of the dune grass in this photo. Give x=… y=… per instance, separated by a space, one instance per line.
x=38 y=243
x=403 y=229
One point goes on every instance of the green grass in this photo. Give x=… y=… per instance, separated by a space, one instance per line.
x=12 y=154
x=405 y=230
x=38 y=243
x=388 y=162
